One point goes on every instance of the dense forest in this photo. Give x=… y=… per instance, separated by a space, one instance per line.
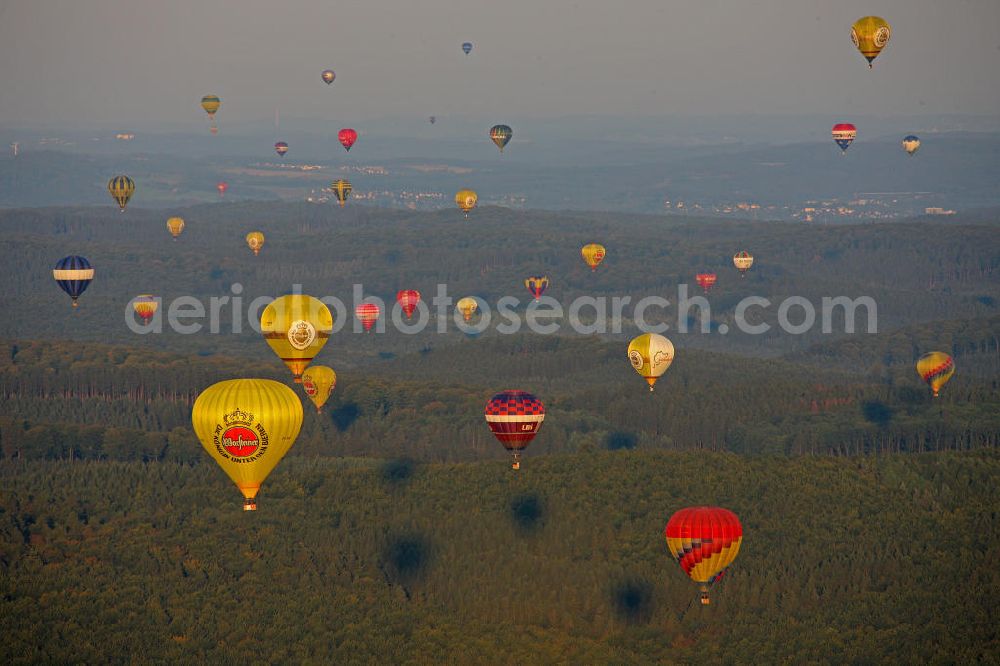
x=869 y=508
x=847 y=560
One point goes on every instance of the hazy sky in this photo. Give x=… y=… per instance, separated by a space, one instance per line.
x=142 y=62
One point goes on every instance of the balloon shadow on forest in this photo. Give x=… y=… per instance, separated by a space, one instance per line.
x=397 y=472
x=405 y=557
x=632 y=599
x=615 y=441
x=344 y=416
x=527 y=510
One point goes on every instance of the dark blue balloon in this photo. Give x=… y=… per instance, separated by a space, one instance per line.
x=73 y=275
x=467 y=47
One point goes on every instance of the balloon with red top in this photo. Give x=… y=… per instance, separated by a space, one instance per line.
x=704 y=540
x=514 y=418
x=367 y=314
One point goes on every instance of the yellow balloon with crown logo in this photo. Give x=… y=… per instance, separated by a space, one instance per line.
x=318 y=381
x=650 y=354
x=296 y=327
x=247 y=426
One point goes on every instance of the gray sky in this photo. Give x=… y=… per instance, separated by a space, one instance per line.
x=141 y=62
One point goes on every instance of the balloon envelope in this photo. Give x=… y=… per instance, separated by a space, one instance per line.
x=341 y=189
x=936 y=368
x=537 y=284
x=704 y=540
x=121 y=189
x=318 y=381
x=328 y=76
x=255 y=241
x=500 y=135
x=175 y=225
x=73 y=274
x=467 y=47
x=466 y=200
x=145 y=306
x=247 y=426
x=296 y=327
x=347 y=137
x=281 y=148
x=593 y=254
x=408 y=300
x=514 y=418
x=844 y=134
x=650 y=354
x=911 y=144
x=367 y=314
x=870 y=34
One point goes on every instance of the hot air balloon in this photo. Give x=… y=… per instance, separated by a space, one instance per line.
x=296 y=327
x=537 y=284
x=514 y=418
x=222 y=186
x=593 y=254
x=211 y=104
x=408 y=299
x=73 y=275
x=911 y=144
x=467 y=47
x=347 y=137
x=500 y=135
x=936 y=368
x=281 y=148
x=145 y=306
x=870 y=34
x=650 y=354
x=247 y=426
x=706 y=280
x=432 y=119
x=341 y=189
x=318 y=381
x=466 y=200
x=843 y=134
x=121 y=189
x=743 y=260
x=704 y=540
x=175 y=225
x=367 y=314
x=467 y=306
x=328 y=76
x=255 y=241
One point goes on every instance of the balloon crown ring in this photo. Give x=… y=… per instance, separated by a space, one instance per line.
x=238 y=417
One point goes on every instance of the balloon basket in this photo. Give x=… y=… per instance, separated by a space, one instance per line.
x=250 y=504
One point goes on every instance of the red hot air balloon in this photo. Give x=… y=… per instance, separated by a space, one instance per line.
x=408 y=299
x=514 y=418
x=367 y=314
x=347 y=137
x=704 y=540
x=705 y=280
x=844 y=134
x=222 y=186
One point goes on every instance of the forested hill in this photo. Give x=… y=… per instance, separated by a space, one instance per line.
x=849 y=560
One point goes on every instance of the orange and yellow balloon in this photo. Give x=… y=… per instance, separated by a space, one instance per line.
x=145 y=306
x=247 y=426
x=318 y=381
x=255 y=241
x=341 y=189
x=467 y=306
x=466 y=200
x=175 y=225
x=296 y=327
x=936 y=368
x=121 y=189
x=593 y=254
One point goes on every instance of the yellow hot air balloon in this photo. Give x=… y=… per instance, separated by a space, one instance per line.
x=467 y=306
x=255 y=241
x=466 y=200
x=870 y=34
x=121 y=189
x=743 y=260
x=175 y=225
x=211 y=104
x=318 y=381
x=650 y=354
x=593 y=254
x=936 y=368
x=247 y=426
x=296 y=326
x=341 y=189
